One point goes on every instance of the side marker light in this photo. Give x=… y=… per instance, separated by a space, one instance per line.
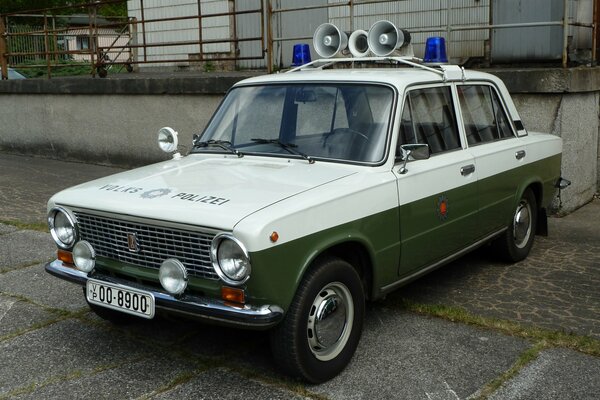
x=274 y=236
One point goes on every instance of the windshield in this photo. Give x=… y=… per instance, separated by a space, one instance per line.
x=312 y=121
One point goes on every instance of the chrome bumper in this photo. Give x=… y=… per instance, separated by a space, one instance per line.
x=214 y=310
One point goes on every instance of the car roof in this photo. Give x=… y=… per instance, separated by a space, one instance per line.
x=395 y=76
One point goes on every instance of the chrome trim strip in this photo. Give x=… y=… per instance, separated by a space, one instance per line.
x=143 y=220
x=246 y=316
x=436 y=265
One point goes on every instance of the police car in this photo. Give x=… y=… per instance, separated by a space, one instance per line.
x=309 y=193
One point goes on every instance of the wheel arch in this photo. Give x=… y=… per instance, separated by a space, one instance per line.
x=537 y=188
x=357 y=255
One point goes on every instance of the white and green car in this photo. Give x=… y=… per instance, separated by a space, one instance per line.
x=307 y=194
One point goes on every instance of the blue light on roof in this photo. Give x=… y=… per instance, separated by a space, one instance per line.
x=301 y=55
x=435 y=50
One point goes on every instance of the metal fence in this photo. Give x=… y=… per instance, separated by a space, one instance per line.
x=260 y=33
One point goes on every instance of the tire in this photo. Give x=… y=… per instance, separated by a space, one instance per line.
x=322 y=328
x=514 y=244
x=113 y=316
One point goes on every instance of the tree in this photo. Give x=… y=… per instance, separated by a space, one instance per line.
x=11 y=6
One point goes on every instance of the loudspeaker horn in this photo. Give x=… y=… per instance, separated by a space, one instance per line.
x=358 y=43
x=329 y=41
x=384 y=38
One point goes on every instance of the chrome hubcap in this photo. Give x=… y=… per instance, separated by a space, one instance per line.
x=522 y=224
x=330 y=321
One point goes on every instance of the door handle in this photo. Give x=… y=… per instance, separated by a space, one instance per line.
x=467 y=169
x=520 y=154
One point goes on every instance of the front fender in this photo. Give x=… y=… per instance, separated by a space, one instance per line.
x=278 y=271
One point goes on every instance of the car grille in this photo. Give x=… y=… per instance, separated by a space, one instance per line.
x=112 y=238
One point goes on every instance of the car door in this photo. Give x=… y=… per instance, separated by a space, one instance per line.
x=437 y=196
x=497 y=151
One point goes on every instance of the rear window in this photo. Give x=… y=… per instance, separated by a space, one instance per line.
x=483 y=116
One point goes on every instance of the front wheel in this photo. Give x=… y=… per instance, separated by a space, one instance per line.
x=514 y=244
x=323 y=325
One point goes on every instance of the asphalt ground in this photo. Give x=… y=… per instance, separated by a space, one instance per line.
x=477 y=328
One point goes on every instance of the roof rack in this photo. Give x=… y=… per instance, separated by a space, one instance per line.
x=446 y=71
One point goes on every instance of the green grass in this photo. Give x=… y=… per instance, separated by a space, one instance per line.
x=30 y=226
x=63 y=68
x=540 y=338
x=524 y=359
x=550 y=338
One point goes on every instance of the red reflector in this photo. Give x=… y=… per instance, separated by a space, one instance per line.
x=233 y=295
x=65 y=256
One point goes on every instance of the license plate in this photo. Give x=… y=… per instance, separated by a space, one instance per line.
x=127 y=300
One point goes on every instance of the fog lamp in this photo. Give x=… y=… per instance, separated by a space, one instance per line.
x=173 y=276
x=84 y=256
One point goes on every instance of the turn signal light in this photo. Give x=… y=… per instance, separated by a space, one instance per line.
x=65 y=256
x=233 y=295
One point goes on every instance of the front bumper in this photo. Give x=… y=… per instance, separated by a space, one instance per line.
x=213 y=310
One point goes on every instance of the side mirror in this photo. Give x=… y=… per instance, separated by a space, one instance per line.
x=413 y=152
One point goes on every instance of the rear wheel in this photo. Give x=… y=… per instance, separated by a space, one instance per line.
x=514 y=245
x=321 y=330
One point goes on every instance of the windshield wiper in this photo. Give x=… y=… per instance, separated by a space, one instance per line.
x=224 y=144
x=289 y=147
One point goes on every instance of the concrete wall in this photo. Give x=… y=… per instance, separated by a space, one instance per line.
x=111 y=121
x=566 y=103
x=574 y=117
x=115 y=120
x=101 y=129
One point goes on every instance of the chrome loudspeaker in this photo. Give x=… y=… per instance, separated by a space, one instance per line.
x=329 y=41
x=358 y=43
x=384 y=38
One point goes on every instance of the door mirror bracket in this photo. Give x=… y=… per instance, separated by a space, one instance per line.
x=413 y=152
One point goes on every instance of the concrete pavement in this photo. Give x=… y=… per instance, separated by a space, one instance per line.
x=51 y=346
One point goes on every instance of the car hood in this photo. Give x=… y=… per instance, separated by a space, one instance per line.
x=201 y=190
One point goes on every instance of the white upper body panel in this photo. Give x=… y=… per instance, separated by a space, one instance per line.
x=211 y=191
x=254 y=195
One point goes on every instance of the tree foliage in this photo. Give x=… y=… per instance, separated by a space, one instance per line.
x=11 y=6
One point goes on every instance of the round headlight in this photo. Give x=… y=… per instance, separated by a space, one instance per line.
x=62 y=228
x=84 y=256
x=173 y=276
x=167 y=140
x=230 y=259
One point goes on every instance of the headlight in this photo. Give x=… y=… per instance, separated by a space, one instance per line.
x=230 y=259
x=62 y=228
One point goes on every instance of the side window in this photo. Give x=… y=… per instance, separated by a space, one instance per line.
x=428 y=118
x=483 y=115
